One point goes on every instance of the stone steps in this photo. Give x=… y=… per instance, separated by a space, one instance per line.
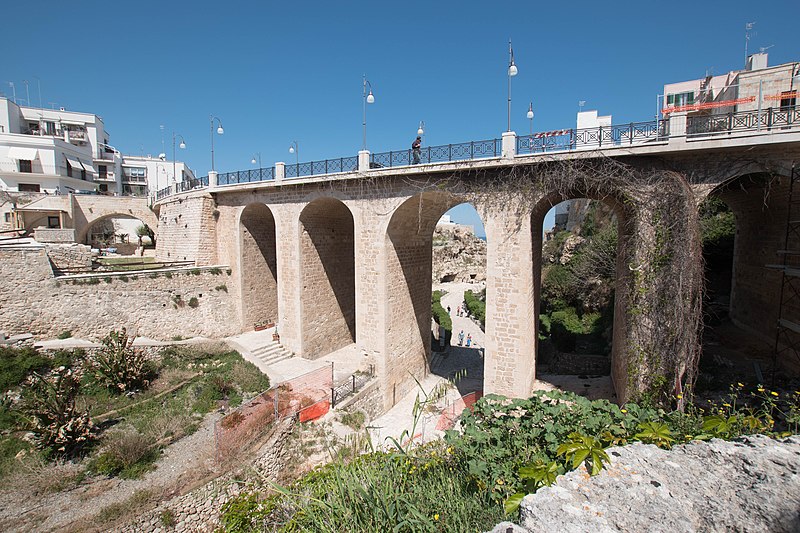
x=271 y=353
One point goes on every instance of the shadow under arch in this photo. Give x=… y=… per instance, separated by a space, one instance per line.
x=765 y=241
x=258 y=266
x=409 y=245
x=622 y=273
x=327 y=274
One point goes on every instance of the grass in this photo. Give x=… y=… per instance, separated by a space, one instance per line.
x=191 y=382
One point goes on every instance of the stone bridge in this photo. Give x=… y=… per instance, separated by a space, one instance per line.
x=346 y=258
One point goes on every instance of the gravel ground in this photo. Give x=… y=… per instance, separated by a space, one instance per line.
x=182 y=464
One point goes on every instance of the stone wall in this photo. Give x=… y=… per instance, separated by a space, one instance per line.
x=69 y=256
x=258 y=266
x=369 y=400
x=199 y=510
x=184 y=226
x=55 y=235
x=328 y=277
x=153 y=304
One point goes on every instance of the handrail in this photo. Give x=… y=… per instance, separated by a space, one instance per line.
x=571 y=139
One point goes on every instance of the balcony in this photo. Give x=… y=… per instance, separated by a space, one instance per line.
x=109 y=177
x=76 y=135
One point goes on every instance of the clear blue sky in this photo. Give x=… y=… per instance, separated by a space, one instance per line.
x=276 y=72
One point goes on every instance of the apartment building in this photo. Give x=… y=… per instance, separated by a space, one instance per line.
x=58 y=151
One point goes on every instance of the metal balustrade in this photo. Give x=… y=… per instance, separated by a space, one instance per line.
x=572 y=139
x=246 y=176
x=768 y=119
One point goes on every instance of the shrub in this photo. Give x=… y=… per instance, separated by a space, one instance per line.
x=119 y=366
x=66 y=334
x=16 y=364
x=475 y=306
x=194 y=302
x=127 y=454
x=353 y=419
x=565 y=325
x=57 y=425
x=440 y=314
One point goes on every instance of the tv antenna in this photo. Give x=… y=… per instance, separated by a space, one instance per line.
x=748 y=27
x=581 y=103
x=763 y=49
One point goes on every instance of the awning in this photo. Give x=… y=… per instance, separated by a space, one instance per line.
x=25 y=154
x=74 y=122
x=88 y=167
x=74 y=163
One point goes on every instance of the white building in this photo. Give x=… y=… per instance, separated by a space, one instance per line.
x=55 y=152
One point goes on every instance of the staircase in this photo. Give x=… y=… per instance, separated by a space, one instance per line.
x=271 y=353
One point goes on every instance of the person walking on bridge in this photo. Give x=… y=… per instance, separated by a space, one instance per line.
x=416 y=148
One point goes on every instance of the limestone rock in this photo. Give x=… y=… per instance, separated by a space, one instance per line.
x=458 y=255
x=752 y=484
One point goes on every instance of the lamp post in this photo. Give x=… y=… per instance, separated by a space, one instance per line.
x=512 y=71
x=294 y=148
x=182 y=147
x=253 y=161
x=530 y=116
x=421 y=129
x=220 y=131
x=368 y=99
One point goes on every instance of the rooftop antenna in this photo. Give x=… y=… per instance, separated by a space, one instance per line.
x=748 y=27
x=14 y=91
x=763 y=49
x=581 y=103
x=39 y=84
x=162 y=139
x=27 y=92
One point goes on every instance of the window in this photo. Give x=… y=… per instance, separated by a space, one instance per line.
x=102 y=172
x=136 y=174
x=8 y=217
x=788 y=99
x=681 y=99
x=104 y=187
x=28 y=187
x=83 y=174
x=25 y=165
x=69 y=169
x=53 y=222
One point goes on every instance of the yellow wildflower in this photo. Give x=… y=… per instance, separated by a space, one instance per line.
x=436 y=516
x=761 y=389
x=774 y=393
x=679 y=396
x=740 y=384
x=624 y=410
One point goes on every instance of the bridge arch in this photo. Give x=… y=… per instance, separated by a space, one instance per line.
x=327 y=276
x=258 y=269
x=111 y=225
x=408 y=268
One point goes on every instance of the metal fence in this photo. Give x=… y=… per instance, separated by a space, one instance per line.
x=354 y=383
x=756 y=120
x=246 y=176
x=317 y=168
x=438 y=154
x=188 y=185
x=600 y=137
x=306 y=397
x=451 y=413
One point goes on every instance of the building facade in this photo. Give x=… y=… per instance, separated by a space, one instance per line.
x=58 y=151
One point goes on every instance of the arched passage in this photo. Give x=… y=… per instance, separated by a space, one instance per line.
x=576 y=300
x=409 y=238
x=581 y=319
x=258 y=264
x=120 y=231
x=327 y=260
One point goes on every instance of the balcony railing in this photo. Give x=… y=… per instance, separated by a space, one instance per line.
x=635 y=133
x=766 y=120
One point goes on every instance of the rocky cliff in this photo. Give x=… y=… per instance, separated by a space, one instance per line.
x=752 y=484
x=458 y=255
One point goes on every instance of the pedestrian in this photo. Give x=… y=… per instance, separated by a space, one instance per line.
x=416 y=148
x=469 y=340
x=448 y=309
x=461 y=338
x=458 y=311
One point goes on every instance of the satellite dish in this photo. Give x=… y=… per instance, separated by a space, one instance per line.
x=162 y=156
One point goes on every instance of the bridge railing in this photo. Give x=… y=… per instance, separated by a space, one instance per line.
x=438 y=154
x=246 y=176
x=765 y=120
x=317 y=168
x=768 y=119
x=599 y=137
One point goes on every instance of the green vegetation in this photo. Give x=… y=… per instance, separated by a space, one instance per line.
x=66 y=334
x=507 y=448
x=193 y=302
x=161 y=404
x=476 y=305
x=440 y=314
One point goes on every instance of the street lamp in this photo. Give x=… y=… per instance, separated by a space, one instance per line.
x=253 y=161
x=421 y=130
x=294 y=148
x=368 y=99
x=512 y=71
x=530 y=115
x=220 y=131
x=182 y=146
